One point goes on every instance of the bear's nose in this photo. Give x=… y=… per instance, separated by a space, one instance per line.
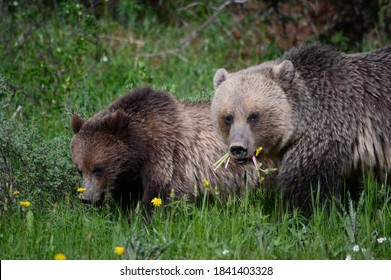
x=238 y=151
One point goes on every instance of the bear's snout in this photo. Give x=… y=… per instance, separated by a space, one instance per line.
x=92 y=196
x=240 y=142
x=238 y=151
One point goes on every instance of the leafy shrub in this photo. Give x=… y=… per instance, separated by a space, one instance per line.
x=46 y=50
x=39 y=169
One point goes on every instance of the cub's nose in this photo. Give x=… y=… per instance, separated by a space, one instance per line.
x=238 y=151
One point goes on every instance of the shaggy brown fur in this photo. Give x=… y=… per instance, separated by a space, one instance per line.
x=323 y=114
x=147 y=144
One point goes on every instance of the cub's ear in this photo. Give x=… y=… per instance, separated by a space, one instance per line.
x=220 y=76
x=284 y=72
x=116 y=120
x=76 y=123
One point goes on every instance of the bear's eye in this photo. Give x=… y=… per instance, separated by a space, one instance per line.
x=98 y=171
x=253 y=118
x=228 y=119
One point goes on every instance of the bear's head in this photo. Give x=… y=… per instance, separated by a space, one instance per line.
x=250 y=108
x=107 y=152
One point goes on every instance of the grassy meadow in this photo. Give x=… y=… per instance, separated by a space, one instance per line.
x=65 y=58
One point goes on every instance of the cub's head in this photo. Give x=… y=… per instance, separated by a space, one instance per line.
x=250 y=108
x=107 y=153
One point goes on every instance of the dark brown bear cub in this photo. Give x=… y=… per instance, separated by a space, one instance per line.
x=147 y=144
x=325 y=116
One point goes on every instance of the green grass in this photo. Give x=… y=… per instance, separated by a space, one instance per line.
x=237 y=229
x=55 y=61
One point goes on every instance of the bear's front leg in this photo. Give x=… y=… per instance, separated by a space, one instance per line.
x=156 y=178
x=311 y=176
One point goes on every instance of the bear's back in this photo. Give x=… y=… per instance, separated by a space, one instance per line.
x=351 y=99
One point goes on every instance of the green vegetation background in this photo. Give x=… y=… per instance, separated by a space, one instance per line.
x=66 y=57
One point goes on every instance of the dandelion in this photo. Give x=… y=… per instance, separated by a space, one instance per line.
x=25 y=204
x=258 y=151
x=206 y=183
x=356 y=248
x=105 y=58
x=157 y=202
x=60 y=257
x=225 y=252
x=81 y=190
x=119 y=250
x=380 y=240
x=258 y=166
x=16 y=192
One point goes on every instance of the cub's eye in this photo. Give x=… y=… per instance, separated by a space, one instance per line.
x=98 y=171
x=253 y=118
x=228 y=119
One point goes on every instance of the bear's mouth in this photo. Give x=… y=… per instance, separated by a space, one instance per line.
x=242 y=160
x=95 y=203
x=224 y=160
x=242 y=154
x=92 y=196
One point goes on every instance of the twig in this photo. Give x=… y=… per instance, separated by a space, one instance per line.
x=191 y=5
x=16 y=112
x=120 y=39
x=191 y=38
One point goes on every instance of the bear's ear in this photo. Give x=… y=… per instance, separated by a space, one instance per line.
x=220 y=76
x=116 y=120
x=76 y=123
x=284 y=72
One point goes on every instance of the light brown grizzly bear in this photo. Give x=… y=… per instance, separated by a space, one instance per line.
x=146 y=144
x=323 y=115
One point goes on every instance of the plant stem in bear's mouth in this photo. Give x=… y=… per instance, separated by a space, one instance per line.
x=225 y=158
x=226 y=164
x=258 y=165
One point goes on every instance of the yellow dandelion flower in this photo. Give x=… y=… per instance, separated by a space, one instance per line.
x=206 y=183
x=258 y=151
x=16 y=192
x=157 y=202
x=60 y=257
x=81 y=190
x=119 y=250
x=25 y=203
